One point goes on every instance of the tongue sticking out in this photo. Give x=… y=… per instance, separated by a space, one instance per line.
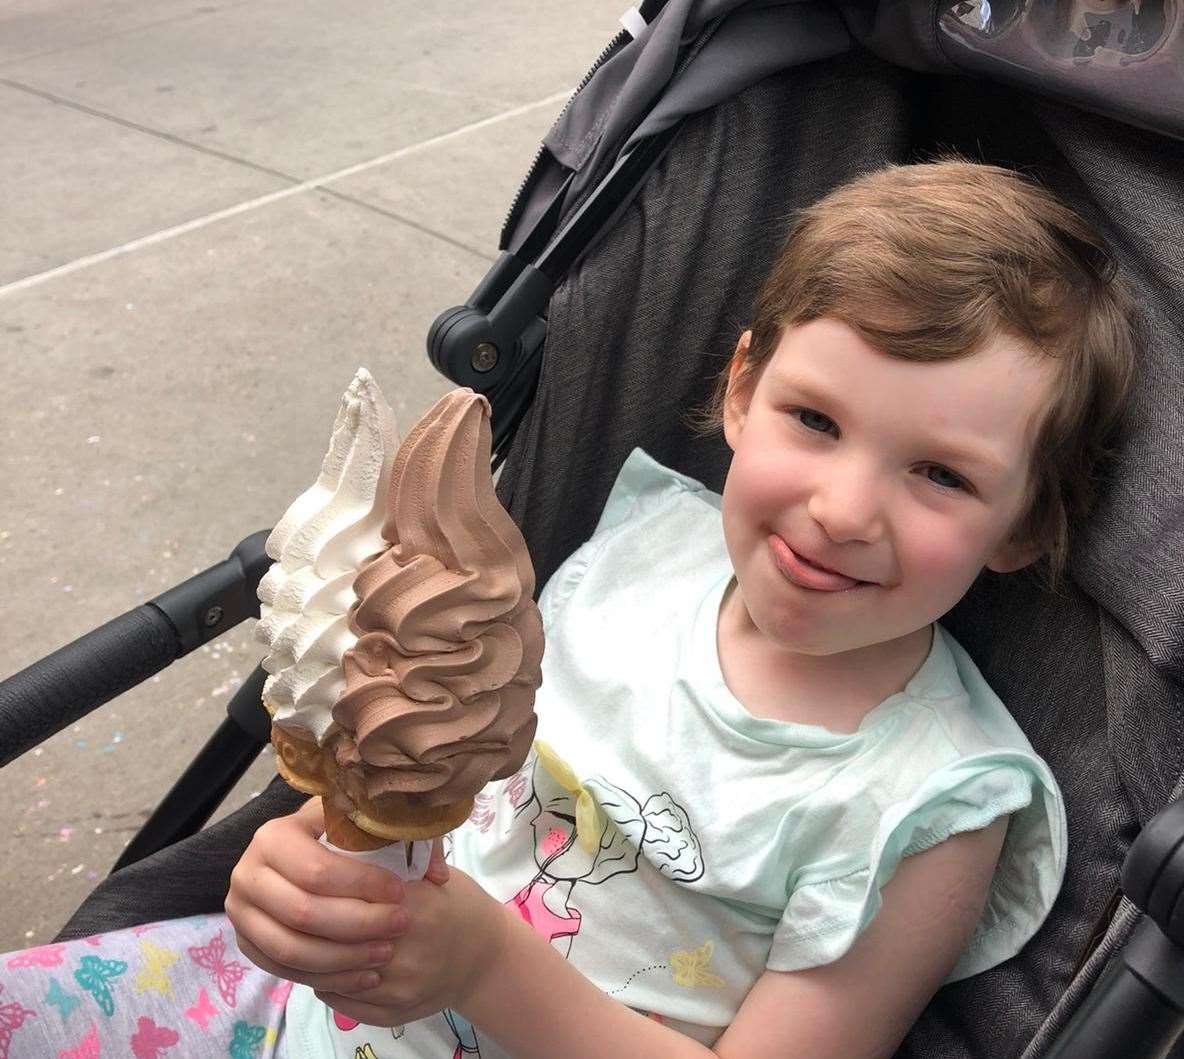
x=803 y=572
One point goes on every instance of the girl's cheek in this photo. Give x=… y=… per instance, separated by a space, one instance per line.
x=938 y=566
x=552 y=842
x=933 y=546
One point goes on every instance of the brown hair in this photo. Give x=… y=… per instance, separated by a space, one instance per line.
x=928 y=262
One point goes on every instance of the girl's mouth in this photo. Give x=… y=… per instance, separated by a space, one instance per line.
x=805 y=574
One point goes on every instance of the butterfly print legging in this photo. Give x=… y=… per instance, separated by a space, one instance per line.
x=167 y=990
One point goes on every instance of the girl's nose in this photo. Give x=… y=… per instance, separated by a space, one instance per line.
x=848 y=505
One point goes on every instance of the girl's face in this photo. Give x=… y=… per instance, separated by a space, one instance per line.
x=557 y=849
x=905 y=476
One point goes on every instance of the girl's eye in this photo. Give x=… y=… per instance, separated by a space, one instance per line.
x=952 y=482
x=809 y=419
x=818 y=423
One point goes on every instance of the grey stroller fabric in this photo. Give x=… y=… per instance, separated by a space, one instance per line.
x=638 y=333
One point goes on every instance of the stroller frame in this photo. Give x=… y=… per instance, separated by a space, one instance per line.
x=493 y=343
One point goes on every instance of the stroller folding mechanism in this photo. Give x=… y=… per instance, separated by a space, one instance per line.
x=655 y=204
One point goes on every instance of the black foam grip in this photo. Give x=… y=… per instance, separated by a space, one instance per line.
x=78 y=678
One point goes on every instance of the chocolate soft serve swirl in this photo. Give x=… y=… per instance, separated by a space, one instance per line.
x=440 y=685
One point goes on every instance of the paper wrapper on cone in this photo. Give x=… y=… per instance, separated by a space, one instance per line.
x=408 y=862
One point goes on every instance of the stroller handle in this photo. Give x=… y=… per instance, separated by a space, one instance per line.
x=53 y=693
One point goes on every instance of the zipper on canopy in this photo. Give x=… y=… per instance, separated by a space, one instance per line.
x=516 y=205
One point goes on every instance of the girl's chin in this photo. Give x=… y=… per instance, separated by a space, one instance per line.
x=796 y=630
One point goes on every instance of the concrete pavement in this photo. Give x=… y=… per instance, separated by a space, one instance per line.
x=214 y=212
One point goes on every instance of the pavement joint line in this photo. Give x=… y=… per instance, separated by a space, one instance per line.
x=274 y=196
x=201 y=148
x=135 y=126
x=410 y=224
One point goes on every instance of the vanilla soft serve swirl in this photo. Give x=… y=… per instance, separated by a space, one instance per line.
x=324 y=537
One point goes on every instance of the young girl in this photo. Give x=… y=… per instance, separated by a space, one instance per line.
x=769 y=790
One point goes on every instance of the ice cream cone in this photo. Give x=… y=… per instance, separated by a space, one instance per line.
x=405 y=644
x=343 y=832
x=399 y=819
x=303 y=764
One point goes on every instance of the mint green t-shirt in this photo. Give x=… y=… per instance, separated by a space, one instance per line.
x=712 y=844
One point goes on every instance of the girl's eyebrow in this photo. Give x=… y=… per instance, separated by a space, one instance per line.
x=984 y=461
x=957 y=452
x=809 y=392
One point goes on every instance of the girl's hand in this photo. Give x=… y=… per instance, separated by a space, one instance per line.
x=455 y=936
x=309 y=915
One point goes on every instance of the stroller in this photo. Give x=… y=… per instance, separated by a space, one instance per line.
x=651 y=211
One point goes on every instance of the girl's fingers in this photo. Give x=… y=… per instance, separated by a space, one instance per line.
x=369 y=1014
x=341 y=982
x=303 y=861
x=343 y=919
x=293 y=950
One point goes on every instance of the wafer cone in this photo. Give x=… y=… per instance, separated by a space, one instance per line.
x=397 y=818
x=343 y=832
x=303 y=764
x=391 y=815
x=353 y=817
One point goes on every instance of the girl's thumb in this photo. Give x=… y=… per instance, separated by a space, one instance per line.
x=437 y=867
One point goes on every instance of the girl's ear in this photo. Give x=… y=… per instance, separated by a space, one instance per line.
x=1021 y=547
x=739 y=394
x=1014 y=556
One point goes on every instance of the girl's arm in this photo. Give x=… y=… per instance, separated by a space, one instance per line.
x=862 y=1005
x=537 y=1005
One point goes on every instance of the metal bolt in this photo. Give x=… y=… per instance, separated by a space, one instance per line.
x=484 y=357
x=213 y=616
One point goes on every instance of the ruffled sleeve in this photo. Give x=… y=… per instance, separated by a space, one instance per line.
x=642 y=486
x=643 y=489
x=823 y=917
